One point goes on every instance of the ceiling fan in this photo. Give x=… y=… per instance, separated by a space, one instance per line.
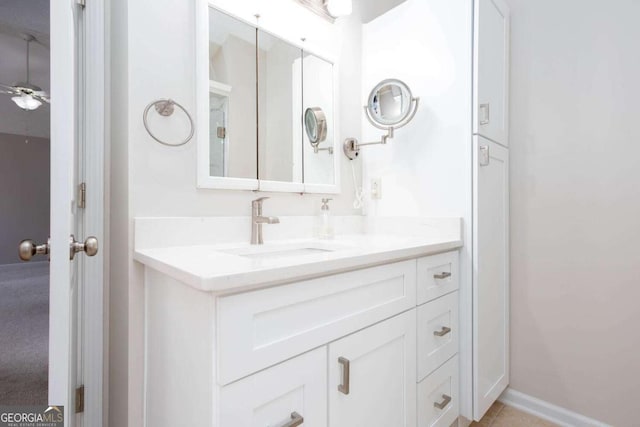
x=26 y=95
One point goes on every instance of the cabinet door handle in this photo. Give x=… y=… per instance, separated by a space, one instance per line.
x=443 y=275
x=485 y=114
x=344 y=387
x=296 y=420
x=485 y=156
x=444 y=331
x=445 y=401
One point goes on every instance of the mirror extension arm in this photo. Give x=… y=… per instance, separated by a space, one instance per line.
x=351 y=146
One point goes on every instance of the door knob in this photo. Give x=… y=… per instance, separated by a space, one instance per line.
x=89 y=247
x=28 y=248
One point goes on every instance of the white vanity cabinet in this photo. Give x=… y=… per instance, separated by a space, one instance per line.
x=351 y=349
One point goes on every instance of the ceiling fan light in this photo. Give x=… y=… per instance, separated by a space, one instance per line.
x=337 y=8
x=26 y=102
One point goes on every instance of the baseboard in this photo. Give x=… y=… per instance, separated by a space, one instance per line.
x=546 y=410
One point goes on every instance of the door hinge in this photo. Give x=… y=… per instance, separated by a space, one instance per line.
x=81 y=3
x=80 y=399
x=82 y=195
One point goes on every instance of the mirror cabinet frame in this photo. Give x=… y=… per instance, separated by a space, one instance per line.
x=204 y=179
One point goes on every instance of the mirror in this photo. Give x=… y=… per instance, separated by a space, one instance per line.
x=319 y=140
x=390 y=104
x=232 y=97
x=279 y=110
x=265 y=110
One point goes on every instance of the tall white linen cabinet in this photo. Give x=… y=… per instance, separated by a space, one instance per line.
x=490 y=204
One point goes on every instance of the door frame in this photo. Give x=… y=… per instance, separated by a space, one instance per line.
x=94 y=334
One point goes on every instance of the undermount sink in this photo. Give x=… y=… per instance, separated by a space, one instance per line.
x=278 y=252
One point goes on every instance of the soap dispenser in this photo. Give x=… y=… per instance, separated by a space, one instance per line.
x=325 y=230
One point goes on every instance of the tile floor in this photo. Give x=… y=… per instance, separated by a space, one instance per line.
x=500 y=415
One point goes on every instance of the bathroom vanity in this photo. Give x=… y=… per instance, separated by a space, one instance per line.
x=360 y=330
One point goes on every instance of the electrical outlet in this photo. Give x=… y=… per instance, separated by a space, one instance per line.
x=376 y=188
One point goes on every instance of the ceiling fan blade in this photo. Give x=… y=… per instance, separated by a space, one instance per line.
x=43 y=98
x=4 y=86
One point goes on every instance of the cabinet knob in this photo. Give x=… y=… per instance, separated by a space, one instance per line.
x=443 y=275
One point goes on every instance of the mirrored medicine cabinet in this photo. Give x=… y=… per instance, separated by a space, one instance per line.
x=254 y=92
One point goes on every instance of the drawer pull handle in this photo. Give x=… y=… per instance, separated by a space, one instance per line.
x=445 y=401
x=442 y=275
x=444 y=331
x=344 y=387
x=296 y=420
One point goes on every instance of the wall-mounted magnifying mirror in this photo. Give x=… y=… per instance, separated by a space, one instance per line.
x=390 y=106
x=315 y=125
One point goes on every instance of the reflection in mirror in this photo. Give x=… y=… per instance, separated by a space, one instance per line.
x=279 y=110
x=317 y=95
x=232 y=97
x=315 y=124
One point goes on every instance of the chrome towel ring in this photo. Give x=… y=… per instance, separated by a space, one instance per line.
x=165 y=107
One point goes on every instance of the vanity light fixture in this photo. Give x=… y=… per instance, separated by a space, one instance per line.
x=338 y=8
x=329 y=9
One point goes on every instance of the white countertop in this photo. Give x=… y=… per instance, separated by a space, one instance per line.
x=216 y=268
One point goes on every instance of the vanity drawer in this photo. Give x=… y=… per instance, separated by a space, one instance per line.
x=438 y=396
x=279 y=395
x=437 y=275
x=437 y=333
x=259 y=329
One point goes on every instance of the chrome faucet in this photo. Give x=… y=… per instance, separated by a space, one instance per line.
x=257 y=220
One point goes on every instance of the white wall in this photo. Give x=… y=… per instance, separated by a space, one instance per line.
x=575 y=205
x=426 y=168
x=152 y=52
x=24 y=193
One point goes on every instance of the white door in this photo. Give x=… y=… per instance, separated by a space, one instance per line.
x=372 y=376
x=289 y=394
x=490 y=273
x=75 y=310
x=491 y=70
x=63 y=307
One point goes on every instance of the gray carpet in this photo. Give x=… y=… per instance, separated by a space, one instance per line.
x=24 y=333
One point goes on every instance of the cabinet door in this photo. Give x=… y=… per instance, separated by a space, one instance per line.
x=491 y=273
x=491 y=70
x=291 y=393
x=372 y=375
